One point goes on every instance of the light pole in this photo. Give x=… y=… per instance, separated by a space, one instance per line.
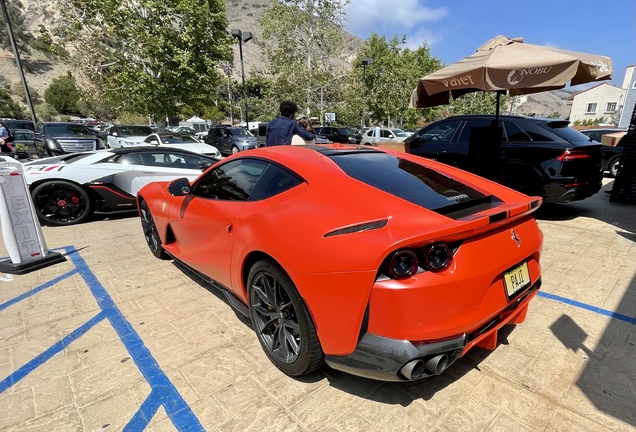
x=366 y=61
x=228 y=71
x=243 y=37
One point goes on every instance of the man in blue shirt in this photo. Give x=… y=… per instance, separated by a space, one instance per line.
x=281 y=130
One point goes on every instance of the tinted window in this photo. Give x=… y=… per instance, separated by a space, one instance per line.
x=345 y=131
x=135 y=130
x=240 y=132
x=26 y=136
x=177 y=139
x=465 y=136
x=536 y=132
x=234 y=180
x=274 y=180
x=407 y=180
x=442 y=132
x=60 y=129
x=515 y=134
x=399 y=133
x=567 y=133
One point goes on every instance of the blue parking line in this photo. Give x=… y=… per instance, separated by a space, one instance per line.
x=588 y=307
x=29 y=367
x=37 y=289
x=162 y=389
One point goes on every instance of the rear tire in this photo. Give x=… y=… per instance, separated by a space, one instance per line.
x=281 y=321
x=150 y=232
x=523 y=179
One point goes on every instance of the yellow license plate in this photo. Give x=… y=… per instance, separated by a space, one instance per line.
x=517 y=279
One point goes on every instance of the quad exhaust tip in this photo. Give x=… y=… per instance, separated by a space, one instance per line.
x=414 y=369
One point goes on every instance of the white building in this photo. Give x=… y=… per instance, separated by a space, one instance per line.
x=599 y=103
x=626 y=107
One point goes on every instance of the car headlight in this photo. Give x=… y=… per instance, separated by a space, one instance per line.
x=52 y=144
x=351 y=139
x=437 y=257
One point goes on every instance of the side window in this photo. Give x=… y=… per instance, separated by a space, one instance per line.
x=441 y=133
x=515 y=134
x=370 y=133
x=130 y=159
x=274 y=181
x=218 y=133
x=183 y=160
x=384 y=133
x=150 y=138
x=234 y=180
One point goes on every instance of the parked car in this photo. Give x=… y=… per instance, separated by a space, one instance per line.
x=57 y=138
x=25 y=137
x=67 y=189
x=339 y=134
x=181 y=141
x=596 y=134
x=397 y=135
x=612 y=157
x=13 y=124
x=393 y=285
x=230 y=139
x=543 y=157
x=127 y=135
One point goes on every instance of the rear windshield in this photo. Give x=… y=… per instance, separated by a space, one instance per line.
x=566 y=132
x=177 y=139
x=410 y=181
x=135 y=130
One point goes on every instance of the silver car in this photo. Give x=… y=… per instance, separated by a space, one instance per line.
x=230 y=140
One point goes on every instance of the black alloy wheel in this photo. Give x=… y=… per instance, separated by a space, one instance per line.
x=281 y=321
x=150 y=232
x=61 y=203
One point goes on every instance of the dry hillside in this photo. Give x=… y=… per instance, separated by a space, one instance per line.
x=241 y=14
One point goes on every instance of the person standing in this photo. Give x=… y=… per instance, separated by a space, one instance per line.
x=6 y=139
x=282 y=129
x=305 y=123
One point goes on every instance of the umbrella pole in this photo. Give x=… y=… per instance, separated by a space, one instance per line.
x=497 y=110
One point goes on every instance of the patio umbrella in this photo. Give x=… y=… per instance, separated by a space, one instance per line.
x=509 y=64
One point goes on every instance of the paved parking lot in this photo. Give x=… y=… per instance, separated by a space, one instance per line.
x=115 y=339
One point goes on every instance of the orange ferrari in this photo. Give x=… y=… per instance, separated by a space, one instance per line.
x=379 y=263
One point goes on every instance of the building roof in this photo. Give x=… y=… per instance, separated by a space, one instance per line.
x=593 y=87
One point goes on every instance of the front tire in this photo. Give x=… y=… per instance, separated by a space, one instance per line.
x=613 y=166
x=235 y=150
x=150 y=232
x=60 y=203
x=281 y=321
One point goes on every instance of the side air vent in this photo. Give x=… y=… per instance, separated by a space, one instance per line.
x=358 y=228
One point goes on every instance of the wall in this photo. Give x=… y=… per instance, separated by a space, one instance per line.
x=601 y=95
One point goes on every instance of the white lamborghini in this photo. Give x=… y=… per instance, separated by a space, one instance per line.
x=67 y=189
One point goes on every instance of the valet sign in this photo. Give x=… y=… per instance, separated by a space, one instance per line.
x=21 y=230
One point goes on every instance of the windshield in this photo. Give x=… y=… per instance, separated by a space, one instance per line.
x=241 y=132
x=135 y=130
x=61 y=129
x=177 y=139
x=345 y=131
x=399 y=133
x=567 y=133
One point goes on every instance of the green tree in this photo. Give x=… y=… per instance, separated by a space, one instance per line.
x=45 y=112
x=18 y=89
x=305 y=36
x=22 y=37
x=390 y=79
x=9 y=108
x=63 y=95
x=149 y=57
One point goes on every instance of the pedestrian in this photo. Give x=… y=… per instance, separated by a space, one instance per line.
x=305 y=123
x=5 y=139
x=282 y=129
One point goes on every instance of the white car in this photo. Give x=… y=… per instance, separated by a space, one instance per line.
x=67 y=189
x=181 y=141
x=120 y=136
x=396 y=135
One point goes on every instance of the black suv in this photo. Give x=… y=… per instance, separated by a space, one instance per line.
x=537 y=156
x=56 y=138
x=339 y=135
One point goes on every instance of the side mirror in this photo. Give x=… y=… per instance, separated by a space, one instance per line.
x=179 y=187
x=154 y=142
x=114 y=134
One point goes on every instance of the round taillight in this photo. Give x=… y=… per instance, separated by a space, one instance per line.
x=402 y=264
x=437 y=257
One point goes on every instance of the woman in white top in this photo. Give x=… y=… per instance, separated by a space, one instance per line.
x=305 y=123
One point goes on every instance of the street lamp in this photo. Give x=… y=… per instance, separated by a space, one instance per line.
x=366 y=61
x=243 y=37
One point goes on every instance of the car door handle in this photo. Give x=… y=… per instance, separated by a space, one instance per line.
x=228 y=228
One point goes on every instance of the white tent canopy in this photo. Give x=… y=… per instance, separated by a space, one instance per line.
x=196 y=119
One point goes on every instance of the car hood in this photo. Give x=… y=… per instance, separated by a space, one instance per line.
x=71 y=137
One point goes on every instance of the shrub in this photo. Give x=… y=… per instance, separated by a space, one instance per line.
x=63 y=95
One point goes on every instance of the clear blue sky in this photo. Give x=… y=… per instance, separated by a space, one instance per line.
x=455 y=29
